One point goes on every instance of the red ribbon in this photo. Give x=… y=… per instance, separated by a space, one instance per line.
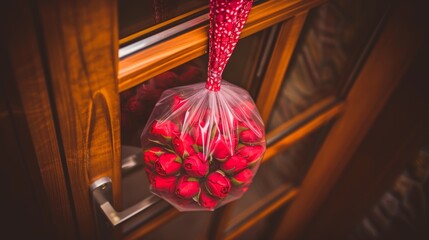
x=227 y=18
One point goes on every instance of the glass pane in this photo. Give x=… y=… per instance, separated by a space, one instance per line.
x=136 y=15
x=283 y=171
x=137 y=103
x=331 y=42
x=402 y=212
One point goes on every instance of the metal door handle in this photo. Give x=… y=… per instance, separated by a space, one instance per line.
x=101 y=191
x=106 y=217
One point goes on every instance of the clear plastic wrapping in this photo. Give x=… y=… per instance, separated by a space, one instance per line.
x=201 y=148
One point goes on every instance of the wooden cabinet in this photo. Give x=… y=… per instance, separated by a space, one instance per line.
x=61 y=80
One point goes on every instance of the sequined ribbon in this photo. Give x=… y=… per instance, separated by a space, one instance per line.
x=227 y=18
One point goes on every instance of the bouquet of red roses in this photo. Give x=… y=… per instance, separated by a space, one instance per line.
x=203 y=143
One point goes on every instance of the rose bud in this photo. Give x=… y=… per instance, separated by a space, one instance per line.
x=234 y=164
x=207 y=201
x=135 y=106
x=242 y=177
x=166 y=80
x=252 y=153
x=199 y=132
x=183 y=146
x=196 y=165
x=250 y=137
x=178 y=102
x=168 y=164
x=187 y=187
x=167 y=129
x=163 y=184
x=190 y=74
x=250 y=124
x=228 y=127
x=151 y=155
x=217 y=184
x=223 y=147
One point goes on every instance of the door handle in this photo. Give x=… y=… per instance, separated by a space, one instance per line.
x=106 y=217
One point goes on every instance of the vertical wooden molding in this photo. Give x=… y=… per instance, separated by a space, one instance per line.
x=286 y=41
x=384 y=68
x=81 y=42
x=36 y=133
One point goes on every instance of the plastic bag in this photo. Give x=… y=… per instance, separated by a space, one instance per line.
x=203 y=143
x=202 y=148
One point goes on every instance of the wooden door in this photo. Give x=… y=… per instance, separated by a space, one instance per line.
x=78 y=120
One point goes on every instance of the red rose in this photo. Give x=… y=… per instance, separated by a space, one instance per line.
x=135 y=106
x=190 y=74
x=242 y=177
x=178 y=102
x=252 y=125
x=151 y=155
x=196 y=165
x=223 y=147
x=200 y=132
x=187 y=187
x=218 y=184
x=234 y=164
x=207 y=201
x=168 y=164
x=183 y=146
x=163 y=184
x=228 y=127
x=252 y=153
x=167 y=129
x=166 y=80
x=250 y=137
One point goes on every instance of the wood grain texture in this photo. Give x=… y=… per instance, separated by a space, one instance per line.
x=81 y=42
x=385 y=66
x=286 y=41
x=185 y=47
x=34 y=123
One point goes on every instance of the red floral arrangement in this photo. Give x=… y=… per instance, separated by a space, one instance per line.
x=203 y=143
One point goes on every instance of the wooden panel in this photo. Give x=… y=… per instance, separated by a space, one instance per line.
x=385 y=66
x=34 y=129
x=152 y=225
x=285 y=45
x=391 y=144
x=81 y=42
x=176 y=51
x=267 y=211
